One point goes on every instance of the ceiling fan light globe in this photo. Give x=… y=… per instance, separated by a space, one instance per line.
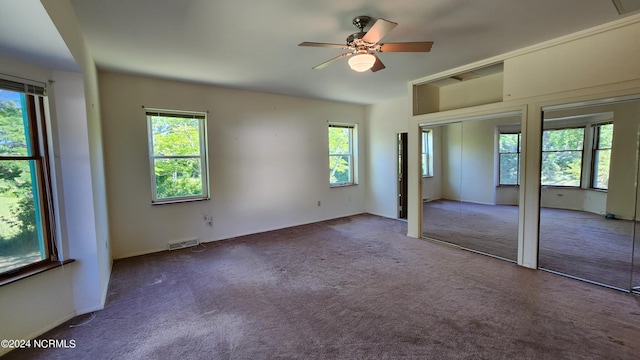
x=362 y=62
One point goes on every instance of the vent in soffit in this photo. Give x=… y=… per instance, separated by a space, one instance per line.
x=466 y=76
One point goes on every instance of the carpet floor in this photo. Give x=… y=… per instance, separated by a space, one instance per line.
x=576 y=243
x=492 y=229
x=349 y=288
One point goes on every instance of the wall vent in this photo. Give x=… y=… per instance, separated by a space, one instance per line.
x=181 y=244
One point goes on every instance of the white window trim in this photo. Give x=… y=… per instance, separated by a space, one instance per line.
x=353 y=163
x=591 y=152
x=582 y=152
x=427 y=149
x=513 y=131
x=204 y=158
x=44 y=186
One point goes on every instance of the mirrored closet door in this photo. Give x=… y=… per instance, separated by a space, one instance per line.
x=470 y=183
x=635 y=260
x=588 y=191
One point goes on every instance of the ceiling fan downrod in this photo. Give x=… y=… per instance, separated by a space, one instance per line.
x=359 y=22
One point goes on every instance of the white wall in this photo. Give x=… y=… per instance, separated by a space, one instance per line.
x=384 y=121
x=593 y=201
x=478 y=160
x=469 y=165
x=88 y=114
x=593 y=64
x=604 y=55
x=73 y=157
x=507 y=195
x=482 y=90
x=33 y=305
x=268 y=163
x=622 y=176
x=452 y=161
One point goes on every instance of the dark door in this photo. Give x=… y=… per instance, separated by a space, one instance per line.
x=402 y=175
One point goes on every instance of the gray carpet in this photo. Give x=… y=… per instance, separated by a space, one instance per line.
x=587 y=246
x=350 y=288
x=492 y=229
x=576 y=243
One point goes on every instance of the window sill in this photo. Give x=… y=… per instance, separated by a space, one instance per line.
x=29 y=271
x=427 y=176
x=341 y=185
x=598 y=190
x=177 y=201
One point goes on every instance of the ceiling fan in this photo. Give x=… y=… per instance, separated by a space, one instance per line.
x=363 y=45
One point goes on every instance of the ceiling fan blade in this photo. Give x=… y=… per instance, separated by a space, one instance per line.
x=325 y=45
x=378 y=65
x=420 y=46
x=329 y=62
x=379 y=30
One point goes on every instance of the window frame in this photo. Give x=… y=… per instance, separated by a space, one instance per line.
x=518 y=153
x=595 y=148
x=581 y=151
x=351 y=154
x=203 y=157
x=37 y=139
x=427 y=153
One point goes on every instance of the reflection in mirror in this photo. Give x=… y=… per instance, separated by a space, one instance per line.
x=470 y=183
x=587 y=195
x=635 y=273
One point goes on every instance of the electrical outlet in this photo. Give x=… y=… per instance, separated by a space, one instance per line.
x=318 y=202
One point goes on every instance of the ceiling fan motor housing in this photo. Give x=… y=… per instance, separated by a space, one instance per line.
x=355 y=36
x=361 y=21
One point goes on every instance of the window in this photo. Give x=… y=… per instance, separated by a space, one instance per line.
x=427 y=152
x=26 y=231
x=178 y=155
x=509 y=147
x=341 y=159
x=562 y=156
x=602 y=139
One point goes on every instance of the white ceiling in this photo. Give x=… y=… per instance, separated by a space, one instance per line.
x=28 y=34
x=252 y=44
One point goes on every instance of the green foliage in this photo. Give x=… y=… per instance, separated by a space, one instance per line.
x=12 y=133
x=602 y=155
x=606 y=136
x=509 y=159
x=15 y=181
x=339 y=155
x=426 y=167
x=509 y=143
x=178 y=177
x=177 y=137
x=24 y=215
x=562 y=139
x=562 y=156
